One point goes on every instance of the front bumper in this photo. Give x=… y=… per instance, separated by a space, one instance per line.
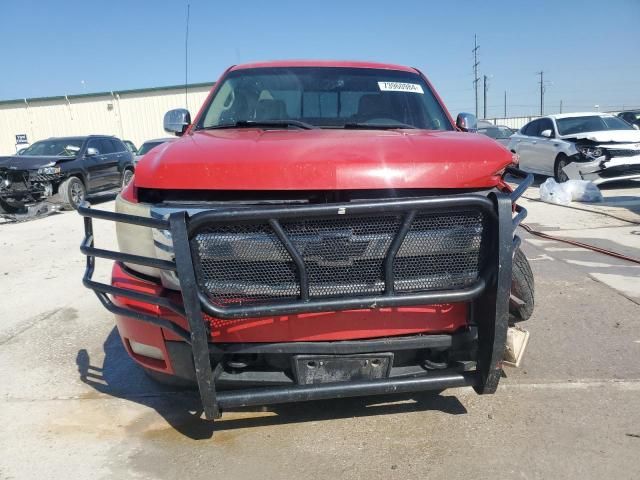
x=603 y=170
x=488 y=296
x=27 y=186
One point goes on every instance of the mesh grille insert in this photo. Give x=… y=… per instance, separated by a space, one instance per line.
x=343 y=257
x=243 y=263
x=439 y=252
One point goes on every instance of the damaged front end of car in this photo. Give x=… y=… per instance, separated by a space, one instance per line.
x=28 y=192
x=601 y=162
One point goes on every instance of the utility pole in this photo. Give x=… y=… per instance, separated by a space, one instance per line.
x=186 y=59
x=484 y=102
x=560 y=106
x=541 y=73
x=476 y=79
x=505 y=104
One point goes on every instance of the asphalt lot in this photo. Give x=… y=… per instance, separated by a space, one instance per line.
x=72 y=404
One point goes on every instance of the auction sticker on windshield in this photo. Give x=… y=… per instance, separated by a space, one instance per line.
x=400 y=87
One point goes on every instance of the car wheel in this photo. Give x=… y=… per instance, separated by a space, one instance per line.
x=10 y=208
x=559 y=174
x=126 y=177
x=522 y=287
x=72 y=192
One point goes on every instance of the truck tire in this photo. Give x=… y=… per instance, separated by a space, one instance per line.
x=72 y=193
x=522 y=287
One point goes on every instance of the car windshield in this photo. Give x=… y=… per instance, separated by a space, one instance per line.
x=590 y=123
x=148 y=146
x=130 y=146
x=60 y=147
x=326 y=97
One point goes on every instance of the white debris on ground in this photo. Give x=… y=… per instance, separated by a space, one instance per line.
x=571 y=190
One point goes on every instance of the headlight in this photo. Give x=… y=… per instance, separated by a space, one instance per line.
x=49 y=170
x=135 y=239
x=591 y=152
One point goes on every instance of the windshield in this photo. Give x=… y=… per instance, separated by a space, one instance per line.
x=130 y=146
x=591 y=123
x=325 y=97
x=148 y=146
x=59 y=147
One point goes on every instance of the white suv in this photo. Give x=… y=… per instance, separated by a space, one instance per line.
x=590 y=146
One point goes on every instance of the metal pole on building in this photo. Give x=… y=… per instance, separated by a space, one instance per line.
x=476 y=79
x=484 y=101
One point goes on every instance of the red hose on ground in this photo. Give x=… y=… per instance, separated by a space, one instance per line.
x=580 y=244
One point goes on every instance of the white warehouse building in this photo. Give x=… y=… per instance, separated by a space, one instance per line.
x=134 y=115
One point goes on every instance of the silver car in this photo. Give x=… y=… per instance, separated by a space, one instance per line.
x=584 y=146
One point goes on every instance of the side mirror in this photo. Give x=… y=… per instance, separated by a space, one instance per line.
x=546 y=133
x=92 y=152
x=636 y=126
x=467 y=122
x=176 y=121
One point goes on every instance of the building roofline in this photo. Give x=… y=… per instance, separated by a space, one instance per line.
x=103 y=94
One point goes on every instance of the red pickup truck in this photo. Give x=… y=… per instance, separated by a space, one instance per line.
x=320 y=230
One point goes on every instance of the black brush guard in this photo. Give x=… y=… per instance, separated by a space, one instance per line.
x=489 y=295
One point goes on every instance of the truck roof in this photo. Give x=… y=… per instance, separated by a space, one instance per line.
x=323 y=63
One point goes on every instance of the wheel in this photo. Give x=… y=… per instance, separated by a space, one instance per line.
x=522 y=287
x=72 y=193
x=561 y=162
x=126 y=177
x=169 y=380
x=10 y=207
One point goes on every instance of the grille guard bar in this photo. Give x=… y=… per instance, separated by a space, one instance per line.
x=492 y=288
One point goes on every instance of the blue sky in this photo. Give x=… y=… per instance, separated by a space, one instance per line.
x=588 y=49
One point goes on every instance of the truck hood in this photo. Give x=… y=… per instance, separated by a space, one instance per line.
x=608 y=136
x=17 y=162
x=322 y=159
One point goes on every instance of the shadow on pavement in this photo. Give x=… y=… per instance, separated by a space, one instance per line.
x=120 y=377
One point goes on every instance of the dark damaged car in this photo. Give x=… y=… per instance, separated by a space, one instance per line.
x=63 y=171
x=584 y=146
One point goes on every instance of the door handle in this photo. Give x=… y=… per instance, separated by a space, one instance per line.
x=534 y=141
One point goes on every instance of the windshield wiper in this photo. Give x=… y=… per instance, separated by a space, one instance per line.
x=262 y=123
x=378 y=126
